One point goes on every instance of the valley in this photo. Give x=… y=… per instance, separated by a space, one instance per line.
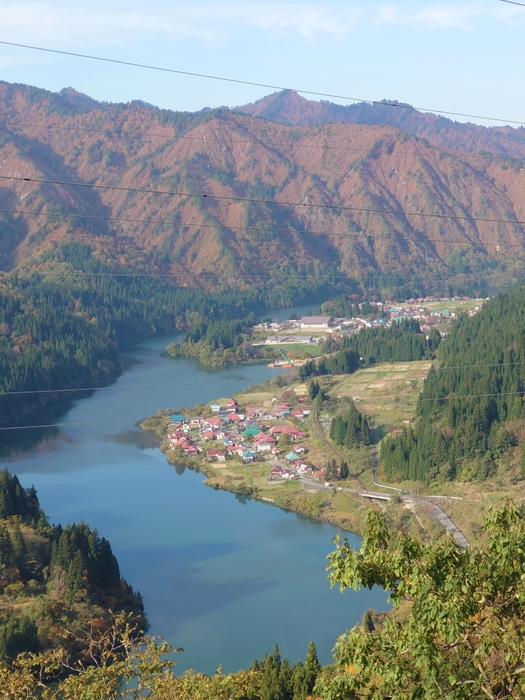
x=151 y=264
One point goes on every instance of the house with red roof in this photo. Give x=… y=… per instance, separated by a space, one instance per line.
x=280 y=429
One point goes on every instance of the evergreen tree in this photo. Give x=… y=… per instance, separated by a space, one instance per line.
x=299 y=682
x=312 y=667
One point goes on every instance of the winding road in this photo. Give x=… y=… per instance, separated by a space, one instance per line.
x=431 y=508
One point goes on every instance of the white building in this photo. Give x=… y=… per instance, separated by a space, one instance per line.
x=289 y=339
x=317 y=322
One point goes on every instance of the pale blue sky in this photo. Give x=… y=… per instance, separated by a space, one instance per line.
x=458 y=56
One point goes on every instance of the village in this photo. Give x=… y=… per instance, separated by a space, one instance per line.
x=273 y=433
x=309 y=330
x=250 y=434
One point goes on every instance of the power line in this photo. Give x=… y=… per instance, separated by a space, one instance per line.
x=292 y=144
x=255 y=84
x=496 y=364
x=64 y=425
x=235 y=275
x=308 y=205
x=475 y=396
x=113 y=388
x=355 y=235
x=137 y=420
x=512 y=2
x=169 y=386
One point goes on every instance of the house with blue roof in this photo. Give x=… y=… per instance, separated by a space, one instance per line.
x=177 y=418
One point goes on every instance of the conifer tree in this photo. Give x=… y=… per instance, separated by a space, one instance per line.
x=312 y=667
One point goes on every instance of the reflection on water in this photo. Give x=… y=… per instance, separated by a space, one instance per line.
x=224 y=578
x=145 y=440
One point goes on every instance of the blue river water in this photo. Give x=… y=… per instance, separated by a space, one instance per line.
x=222 y=579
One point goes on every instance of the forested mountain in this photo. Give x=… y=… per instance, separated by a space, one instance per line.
x=467 y=406
x=62 y=329
x=291 y=109
x=53 y=581
x=315 y=184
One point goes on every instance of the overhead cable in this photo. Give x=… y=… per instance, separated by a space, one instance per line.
x=138 y=420
x=193 y=74
x=355 y=235
x=205 y=139
x=310 y=205
x=115 y=387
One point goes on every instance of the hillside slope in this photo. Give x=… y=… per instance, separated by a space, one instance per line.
x=471 y=409
x=289 y=108
x=315 y=186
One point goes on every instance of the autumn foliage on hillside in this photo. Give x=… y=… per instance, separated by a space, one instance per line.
x=283 y=201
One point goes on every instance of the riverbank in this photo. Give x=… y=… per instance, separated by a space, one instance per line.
x=211 y=568
x=249 y=481
x=268 y=443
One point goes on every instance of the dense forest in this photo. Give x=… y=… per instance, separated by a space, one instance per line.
x=402 y=342
x=53 y=580
x=343 y=361
x=221 y=342
x=468 y=404
x=64 y=329
x=350 y=428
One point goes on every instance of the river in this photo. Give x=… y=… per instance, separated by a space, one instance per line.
x=222 y=579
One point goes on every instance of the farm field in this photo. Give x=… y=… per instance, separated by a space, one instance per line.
x=387 y=392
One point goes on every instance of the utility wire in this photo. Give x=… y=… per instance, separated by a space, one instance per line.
x=63 y=425
x=137 y=420
x=497 y=364
x=212 y=276
x=272 y=144
x=308 y=205
x=228 y=381
x=113 y=388
x=255 y=84
x=512 y=2
x=164 y=222
x=475 y=396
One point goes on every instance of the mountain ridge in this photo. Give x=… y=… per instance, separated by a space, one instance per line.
x=314 y=192
x=291 y=109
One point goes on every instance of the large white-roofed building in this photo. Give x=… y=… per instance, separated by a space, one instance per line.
x=316 y=322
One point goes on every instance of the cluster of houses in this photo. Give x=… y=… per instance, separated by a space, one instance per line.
x=424 y=314
x=392 y=313
x=230 y=433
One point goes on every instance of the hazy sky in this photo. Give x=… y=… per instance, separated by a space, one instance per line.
x=465 y=56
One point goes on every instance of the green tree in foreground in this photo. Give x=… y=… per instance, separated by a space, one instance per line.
x=463 y=631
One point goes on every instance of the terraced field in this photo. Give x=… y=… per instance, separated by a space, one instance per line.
x=387 y=392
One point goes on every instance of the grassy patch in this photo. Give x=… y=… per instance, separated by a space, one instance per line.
x=387 y=392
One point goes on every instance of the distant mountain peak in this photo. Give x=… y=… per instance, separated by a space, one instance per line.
x=291 y=109
x=79 y=100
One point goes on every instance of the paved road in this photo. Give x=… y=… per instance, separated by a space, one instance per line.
x=431 y=508
x=440 y=515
